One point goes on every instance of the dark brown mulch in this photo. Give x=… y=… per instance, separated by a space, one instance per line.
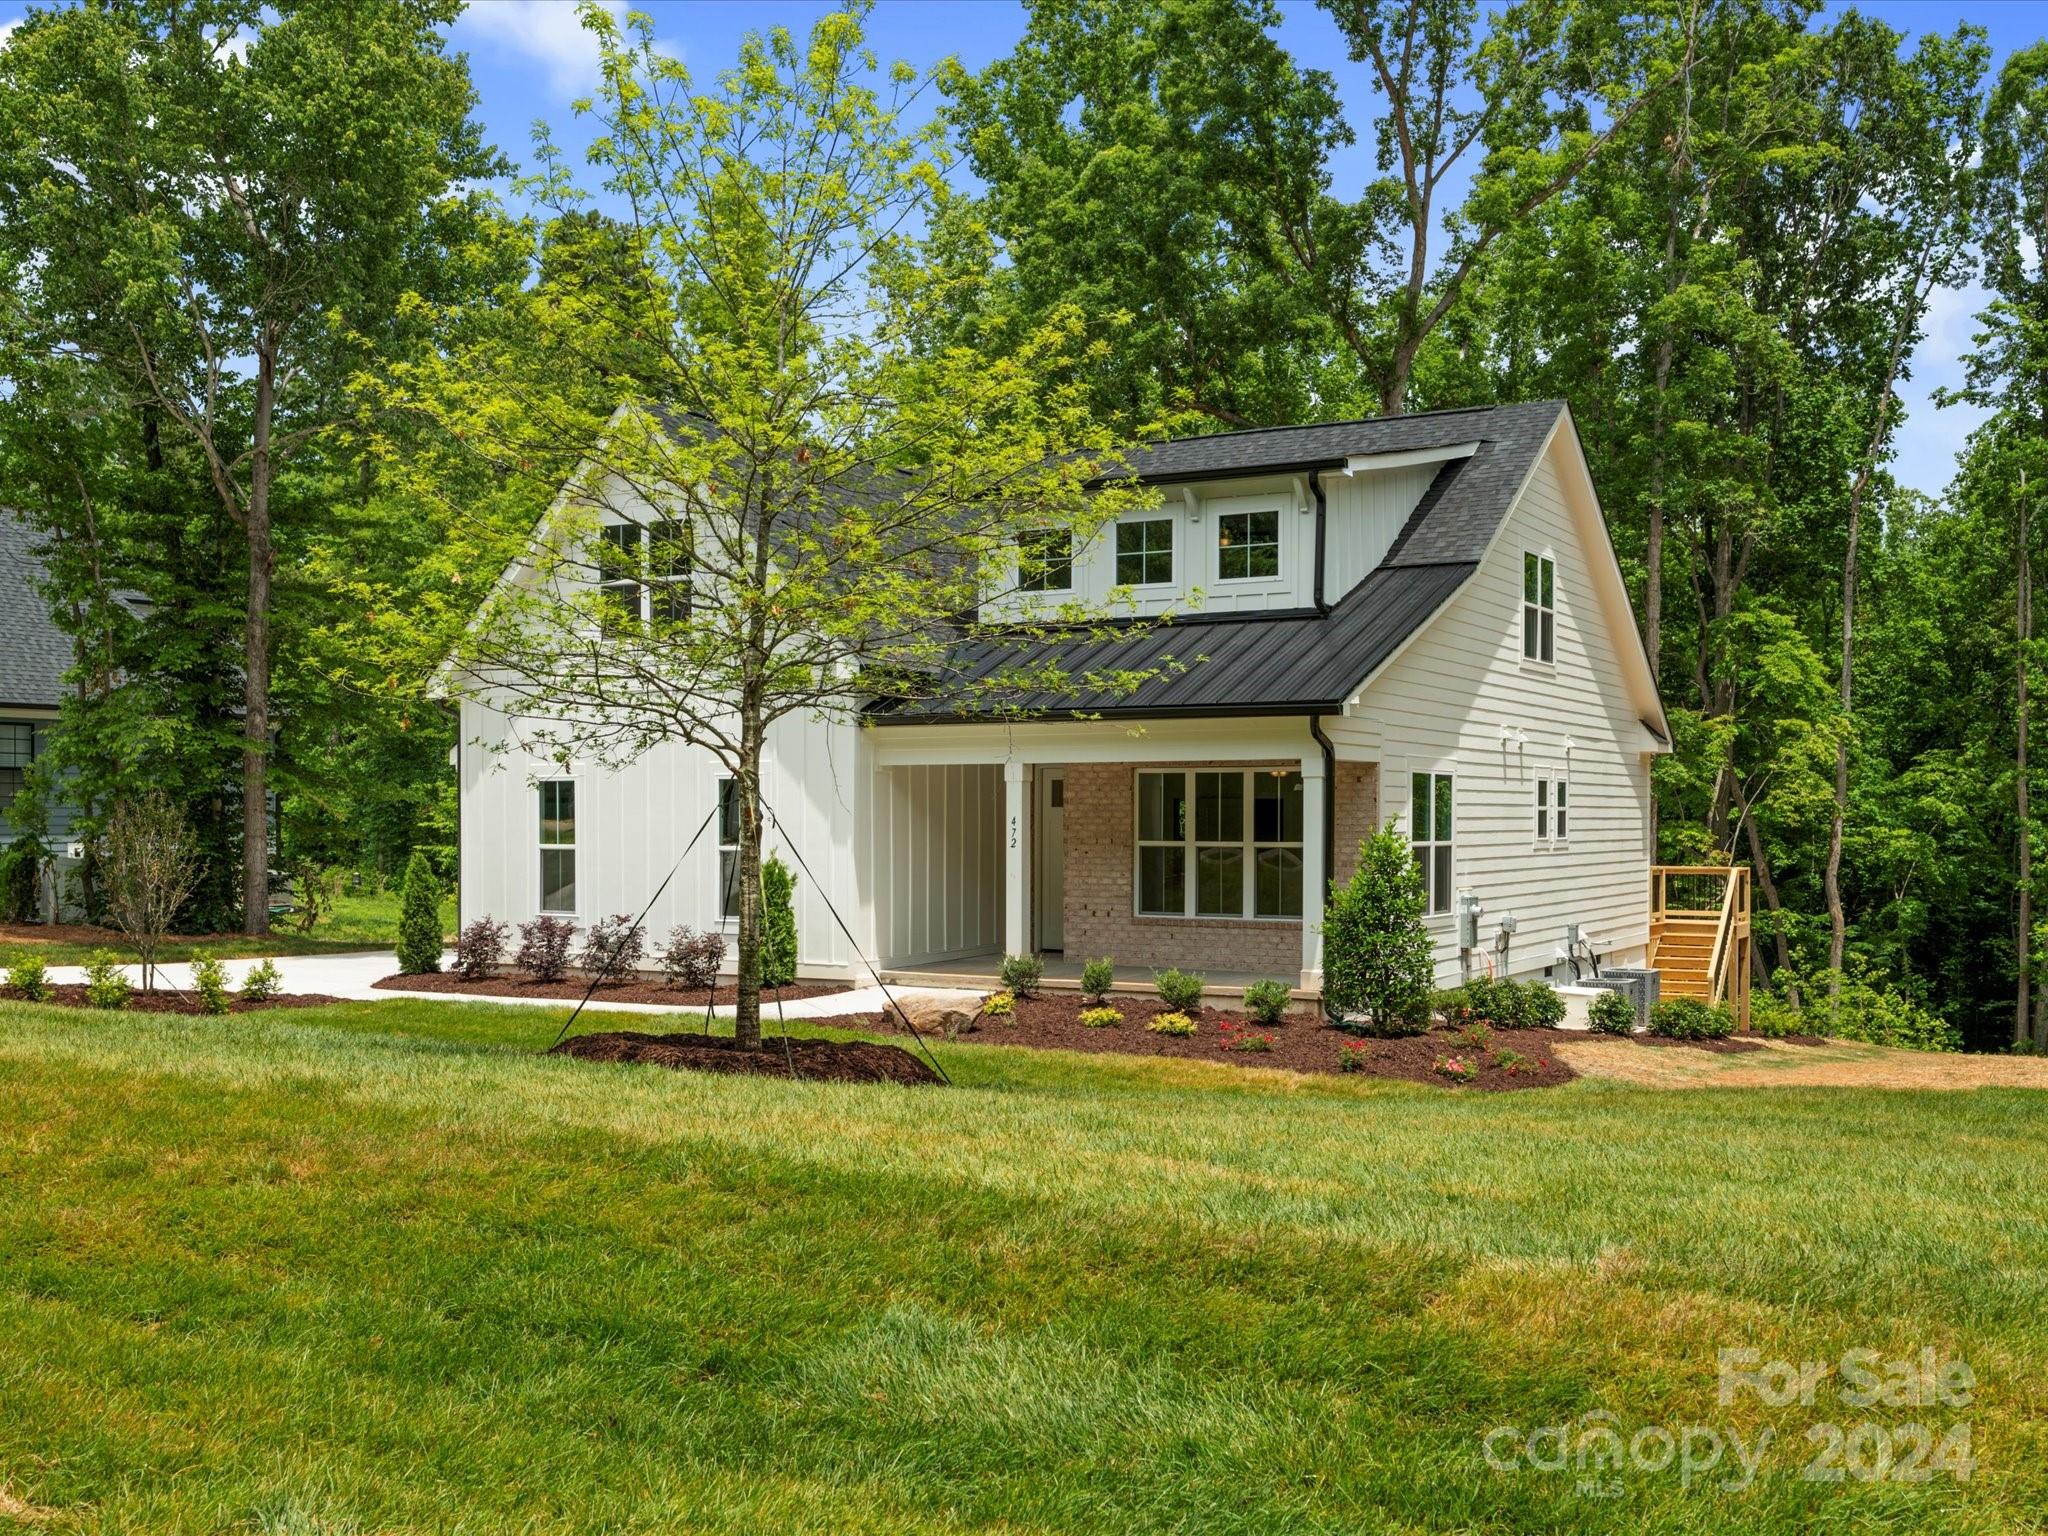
x=1051 y=1021
x=72 y=995
x=573 y=989
x=832 y=1061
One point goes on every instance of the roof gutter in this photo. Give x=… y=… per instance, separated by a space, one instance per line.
x=1315 y=489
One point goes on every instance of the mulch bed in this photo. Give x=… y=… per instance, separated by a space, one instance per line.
x=1301 y=1044
x=72 y=995
x=832 y=1061
x=573 y=989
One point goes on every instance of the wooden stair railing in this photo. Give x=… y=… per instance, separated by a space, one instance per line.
x=1700 y=933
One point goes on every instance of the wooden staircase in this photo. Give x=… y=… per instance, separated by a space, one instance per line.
x=1700 y=933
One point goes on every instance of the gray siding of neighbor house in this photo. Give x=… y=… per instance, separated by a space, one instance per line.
x=34 y=654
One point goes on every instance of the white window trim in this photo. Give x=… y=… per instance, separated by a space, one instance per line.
x=645 y=582
x=1523 y=608
x=1070 y=560
x=1449 y=771
x=576 y=846
x=1249 y=910
x=1172 y=553
x=1279 y=541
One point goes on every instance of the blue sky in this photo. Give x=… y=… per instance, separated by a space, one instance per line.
x=531 y=60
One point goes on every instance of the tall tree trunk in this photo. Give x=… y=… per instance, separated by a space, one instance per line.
x=256 y=657
x=1769 y=887
x=2023 y=626
x=746 y=1014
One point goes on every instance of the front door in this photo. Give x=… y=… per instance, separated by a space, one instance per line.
x=1049 y=861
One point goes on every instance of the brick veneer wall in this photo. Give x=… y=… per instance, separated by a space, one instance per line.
x=1358 y=814
x=1100 y=827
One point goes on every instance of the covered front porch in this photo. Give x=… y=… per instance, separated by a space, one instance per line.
x=996 y=839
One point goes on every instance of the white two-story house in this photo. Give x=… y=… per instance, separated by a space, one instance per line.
x=1416 y=619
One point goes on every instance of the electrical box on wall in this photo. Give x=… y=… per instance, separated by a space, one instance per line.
x=1469 y=913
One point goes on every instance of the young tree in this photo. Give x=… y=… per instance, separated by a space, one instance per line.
x=419 y=918
x=1376 y=948
x=150 y=866
x=804 y=504
x=219 y=206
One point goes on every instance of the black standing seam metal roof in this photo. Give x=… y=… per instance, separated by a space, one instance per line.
x=34 y=652
x=1291 y=662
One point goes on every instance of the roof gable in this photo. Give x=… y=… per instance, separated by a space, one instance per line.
x=34 y=652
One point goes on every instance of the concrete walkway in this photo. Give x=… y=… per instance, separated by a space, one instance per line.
x=351 y=976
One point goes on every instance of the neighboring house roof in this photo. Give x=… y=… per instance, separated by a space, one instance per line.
x=33 y=651
x=1291 y=662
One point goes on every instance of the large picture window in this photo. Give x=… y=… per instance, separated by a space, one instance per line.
x=728 y=847
x=1539 y=610
x=1429 y=834
x=1144 y=552
x=1247 y=546
x=1220 y=843
x=558 y=845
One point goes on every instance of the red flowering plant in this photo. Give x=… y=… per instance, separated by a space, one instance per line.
x=1353 y=1057
x=1457 y=1068
x=1237 y=1036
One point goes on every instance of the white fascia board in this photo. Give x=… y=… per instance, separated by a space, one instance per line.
x=1362 y=463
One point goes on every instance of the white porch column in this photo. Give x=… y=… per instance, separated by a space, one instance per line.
x=1016 y=857
x=1314 y=877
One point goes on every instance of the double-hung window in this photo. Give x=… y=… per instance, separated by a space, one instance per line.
x=1045 y=560
x=1429 y=835
x=643 y=574
x=1144 y=552
x=558 y=845
x=17 y=752
x=1539 y=610
x=728 y=847
x=1247 y=546
x=1553 y=811
x=1220 y=843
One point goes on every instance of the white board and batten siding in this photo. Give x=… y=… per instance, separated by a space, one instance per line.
x=937 y=837
x=1462 y=699
x=633 y=824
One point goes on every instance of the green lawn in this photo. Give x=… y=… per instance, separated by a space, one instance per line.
x=379 y=1268
x=365 y=921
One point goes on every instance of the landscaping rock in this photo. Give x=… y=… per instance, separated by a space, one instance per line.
x=946 y=1014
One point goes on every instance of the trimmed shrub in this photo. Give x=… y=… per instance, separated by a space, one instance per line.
x=1171 y=1024
x=1267 y=1001
x=1021 y=974
x=1180 y=990
x=1611 y=1013
x=1000 y=1005
x=692 y=959
x=29 y=978
x=1101 y=1018
x=106 y=985
x=1688 y=1018
x=480 y=947
x=778 y=923
x=544 y=948
x=612 y=947
x=1541 y=1006
x=1377 y=960
x=419 y=918
x=1453 y=1006
x=210 y=984
x=262 y=983
x=1097 y=977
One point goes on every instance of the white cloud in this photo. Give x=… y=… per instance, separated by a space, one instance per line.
x=548 y=32
x=7 y=31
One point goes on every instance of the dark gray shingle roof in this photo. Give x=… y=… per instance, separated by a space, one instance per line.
x=33 y=651
x=1296 y=661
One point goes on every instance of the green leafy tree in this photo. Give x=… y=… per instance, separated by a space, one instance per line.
x=419 y=918
x=813 y=495
x=1376 y=950
x=778 y=924
x=218 y=209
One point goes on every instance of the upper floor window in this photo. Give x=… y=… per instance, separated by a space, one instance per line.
x=1247 y=545
x=17 y=751
x=1539 y=613
x=1429 y=835
x=1045 y=560
x=643 y=574
x=1144 y=552
x=1553 y=811
x=558 y=845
